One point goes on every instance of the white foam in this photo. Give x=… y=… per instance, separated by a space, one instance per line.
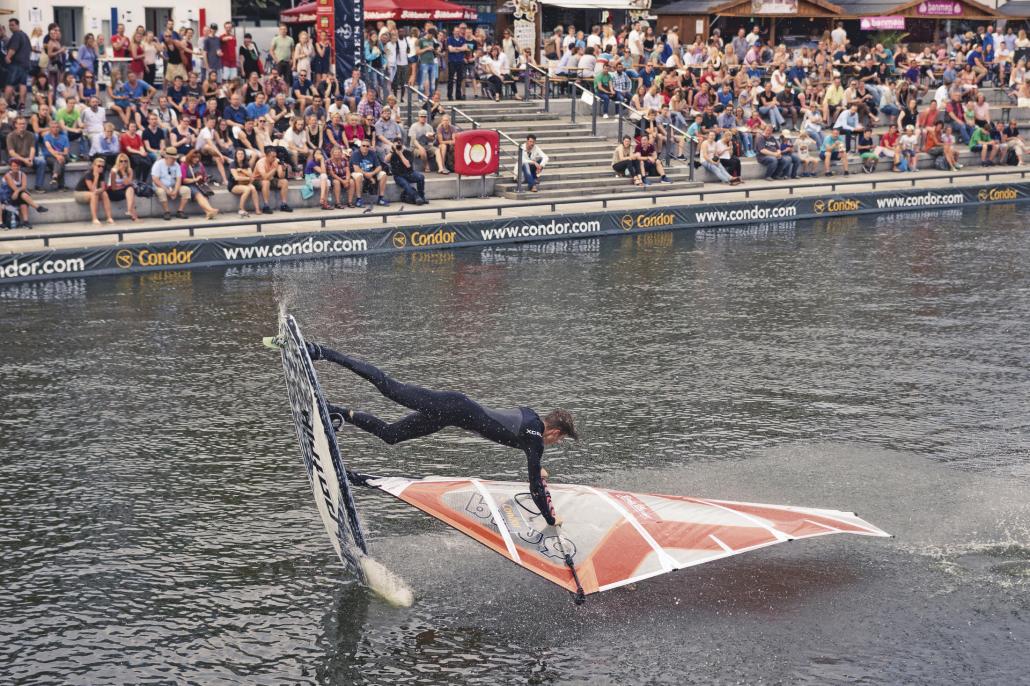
x=386 y=584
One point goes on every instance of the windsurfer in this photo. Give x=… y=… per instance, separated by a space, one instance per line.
x=520 y=427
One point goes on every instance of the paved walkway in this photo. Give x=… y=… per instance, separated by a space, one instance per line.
x=472 y=209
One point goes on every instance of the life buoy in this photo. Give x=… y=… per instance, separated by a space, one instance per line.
x=476 y=152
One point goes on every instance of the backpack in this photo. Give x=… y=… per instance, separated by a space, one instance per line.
x=1011 y=158
x=940 y=163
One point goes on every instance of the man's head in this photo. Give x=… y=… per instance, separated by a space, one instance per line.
x=558 y=424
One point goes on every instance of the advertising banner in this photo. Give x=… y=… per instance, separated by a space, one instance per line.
x=939 y=8
x=895 y=23
x=774 y=6
x=261 y=248
x=348 y=18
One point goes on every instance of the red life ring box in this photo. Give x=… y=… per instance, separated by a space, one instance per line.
x=477 y=152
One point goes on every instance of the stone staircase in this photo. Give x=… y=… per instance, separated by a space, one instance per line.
x=579 y=162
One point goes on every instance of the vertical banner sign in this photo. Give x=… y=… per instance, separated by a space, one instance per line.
x=349 y=18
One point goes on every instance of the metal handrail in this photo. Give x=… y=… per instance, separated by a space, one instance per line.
x=475 y=124
x=553 y=204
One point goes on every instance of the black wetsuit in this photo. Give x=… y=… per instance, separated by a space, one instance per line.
x=519 y=428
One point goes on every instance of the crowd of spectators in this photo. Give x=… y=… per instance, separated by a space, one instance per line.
x=182 y=115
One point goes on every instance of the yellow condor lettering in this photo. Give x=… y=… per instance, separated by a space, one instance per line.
x=152 y=258
x=648 y=221
x=845 y=205
x=438 y=237
x=513 y=519
x=1002 y=194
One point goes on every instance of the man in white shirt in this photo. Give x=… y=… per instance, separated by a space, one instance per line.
x=635 y=42
x=594 y=39
x=93 y=119
x=839 y=36
x=209 y=148
x=533 y=162
x=587 y=65
x=754 y=36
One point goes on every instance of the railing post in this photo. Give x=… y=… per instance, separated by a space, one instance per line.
x=518 y=173
x=593 y=116
x=618 y=113
x=573 y=105
x=410 y=106
x=668 y=144
x=547 y=92
x=690 y=156
x=527 y=79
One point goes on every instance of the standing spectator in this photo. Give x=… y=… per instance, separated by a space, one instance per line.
x=457 y=47
x=211 y=45
x=249 y=54
x=166 y=175
x=18 y=57
x=281 y=49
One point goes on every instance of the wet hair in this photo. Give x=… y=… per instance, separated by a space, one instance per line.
x=562 y=420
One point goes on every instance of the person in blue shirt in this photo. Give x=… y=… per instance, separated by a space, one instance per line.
x=259 y=107
x=234 y=111
x=367 y=168
x=457 y=46
x=177 y=92
x=833 y=148
x=55 y=152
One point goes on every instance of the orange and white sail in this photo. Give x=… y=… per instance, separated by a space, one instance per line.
x=614 y=537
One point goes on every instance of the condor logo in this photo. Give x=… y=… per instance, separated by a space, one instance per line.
x=153 y=258
x=831 y=206
x=438 y=237
x=647 y=221
x=399 y=240
x=986 y=194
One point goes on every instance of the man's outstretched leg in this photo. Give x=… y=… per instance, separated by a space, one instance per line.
x=415 y=425
x=437 y=404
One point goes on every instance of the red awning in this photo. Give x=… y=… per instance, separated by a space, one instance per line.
x=398 y=10
x=301 y=14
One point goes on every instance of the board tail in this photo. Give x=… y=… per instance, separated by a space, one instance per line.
x=326 y=469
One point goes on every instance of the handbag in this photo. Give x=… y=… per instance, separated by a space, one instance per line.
x=204 y=188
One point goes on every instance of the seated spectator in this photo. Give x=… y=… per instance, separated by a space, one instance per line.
x=423 y=142
x=387 y=130
x=793 y=160
x=22 y=146
x=807 y=149
x=207 y=146
x=56 y=153
x=937 y=146
x=338 y=169
x=412 y=183
x=297 y=145
x=980 y=141
x=724 y=150
x=131 y=144
x=890 y=147
x=533 y=162
x=647 y=151
x=368 y=174
x=866 y=149
x=626 y=163
x=769 y=155
x=92 y=190
x=909 y=144
x=316 y=175
x=709 y=160
x=106 y=146
x=270 y=171
x=241 y=182
x=1014 y=142
x=120 y=185
x=445 y=145
x=833 y=149
x=195 y=183
x=166 y=175
x=14 y=190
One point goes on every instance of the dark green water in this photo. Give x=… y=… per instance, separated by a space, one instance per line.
x=156 y=525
